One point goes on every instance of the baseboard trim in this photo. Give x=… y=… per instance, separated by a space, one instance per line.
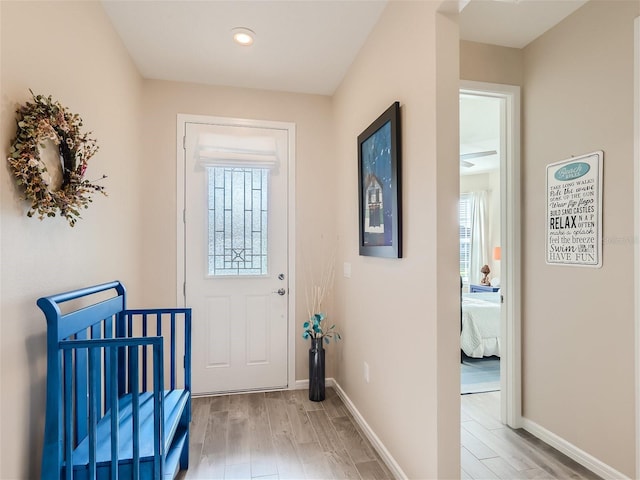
x=583 y=458
x=304 y=384
x=386 y=457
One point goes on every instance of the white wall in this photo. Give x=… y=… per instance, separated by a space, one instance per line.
x=490 y=63
x=400 y=314
x=578 y=329
x=70 y=51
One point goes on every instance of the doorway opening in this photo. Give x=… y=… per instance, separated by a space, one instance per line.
x=481 y=153
x=490 y=243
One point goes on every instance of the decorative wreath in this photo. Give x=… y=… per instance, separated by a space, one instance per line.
x=46 y=119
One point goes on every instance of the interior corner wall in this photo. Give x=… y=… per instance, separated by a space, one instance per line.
x=578 y=323
x=490 y=63
x=397 y=317
x=70 y=51
x=315 y=176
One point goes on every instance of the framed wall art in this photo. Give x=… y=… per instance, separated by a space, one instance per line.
x=379 y=186
x=574 y=211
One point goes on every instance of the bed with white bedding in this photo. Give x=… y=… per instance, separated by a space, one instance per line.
x=480 y=335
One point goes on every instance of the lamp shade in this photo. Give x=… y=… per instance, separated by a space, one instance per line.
x=497 y=253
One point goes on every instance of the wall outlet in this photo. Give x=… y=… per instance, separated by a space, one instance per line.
x=366 y=372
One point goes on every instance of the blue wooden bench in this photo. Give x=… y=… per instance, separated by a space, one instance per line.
x=108 y=413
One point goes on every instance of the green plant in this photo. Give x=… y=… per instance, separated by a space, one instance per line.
x=316 y=328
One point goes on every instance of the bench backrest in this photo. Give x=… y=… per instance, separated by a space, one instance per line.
x=98 y=352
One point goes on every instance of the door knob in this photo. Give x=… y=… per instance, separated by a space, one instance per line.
x=280 y=291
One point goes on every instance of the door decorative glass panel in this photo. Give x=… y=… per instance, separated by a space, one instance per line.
x=237 y=210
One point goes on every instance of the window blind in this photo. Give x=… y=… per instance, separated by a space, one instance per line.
x=464 y=210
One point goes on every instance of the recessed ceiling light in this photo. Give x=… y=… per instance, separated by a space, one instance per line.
x=243 y=36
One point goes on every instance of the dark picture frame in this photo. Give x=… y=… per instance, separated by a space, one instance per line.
x=379 y=186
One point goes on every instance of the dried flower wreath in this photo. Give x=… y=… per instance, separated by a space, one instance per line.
x=46 y=119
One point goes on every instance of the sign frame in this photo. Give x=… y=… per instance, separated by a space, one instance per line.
x=574 y=211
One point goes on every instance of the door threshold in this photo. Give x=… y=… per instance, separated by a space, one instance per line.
x=240 y=392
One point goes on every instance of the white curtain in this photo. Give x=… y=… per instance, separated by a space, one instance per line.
x=479 y=236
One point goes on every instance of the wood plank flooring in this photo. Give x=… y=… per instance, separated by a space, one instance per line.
x=491 y=450
x=283 y=435
x=278 y=435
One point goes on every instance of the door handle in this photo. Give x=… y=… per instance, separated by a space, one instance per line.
x=280 y=291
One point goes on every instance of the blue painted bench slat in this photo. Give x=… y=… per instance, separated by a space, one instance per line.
x=108 y=414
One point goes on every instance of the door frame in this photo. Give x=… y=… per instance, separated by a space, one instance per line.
x=182 y=120
x=510 y=233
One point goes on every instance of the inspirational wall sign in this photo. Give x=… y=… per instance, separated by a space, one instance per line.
x=574 y=211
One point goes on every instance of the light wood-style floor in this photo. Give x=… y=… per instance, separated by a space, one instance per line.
x=278 y=435
x=491 y=450
x=283 y=435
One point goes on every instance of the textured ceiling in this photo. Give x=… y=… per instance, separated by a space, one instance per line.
x=301 y=45
x=512 y=23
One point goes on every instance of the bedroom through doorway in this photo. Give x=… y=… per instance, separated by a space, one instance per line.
x=481 y=151
x=490 y=259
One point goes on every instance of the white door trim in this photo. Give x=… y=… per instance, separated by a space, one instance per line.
x=636 y=195
x=511 y=377
x=182 y=120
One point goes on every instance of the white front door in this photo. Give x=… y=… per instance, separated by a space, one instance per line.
x=236 y=273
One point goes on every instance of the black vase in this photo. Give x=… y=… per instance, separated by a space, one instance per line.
x=316 y=370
